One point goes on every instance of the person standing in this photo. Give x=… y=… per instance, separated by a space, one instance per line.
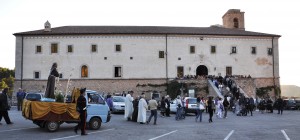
x=220 y=108
x=167 y=101
x=179 y=108
x=4 y=107
x=135 y=104
x=226 y=106
x=251 y=105
x=210 y=108
x=142 y=110
x=279 y=105
x=200 y=109
x=20 y=97
x=153 y=108
x=81 y=108
x=128 y=106
x=49 y=93
x=162 y=106
x=109 y=102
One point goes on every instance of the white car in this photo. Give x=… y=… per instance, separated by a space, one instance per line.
x=118 y=104
x=36 y=96
x=173 y=107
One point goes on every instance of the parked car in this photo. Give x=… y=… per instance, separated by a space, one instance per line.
x=289 y=104
x=37 y=96
x=118 y=104
x=190 y=105
x=34 y=96
x=297 y=104
x=173 y=107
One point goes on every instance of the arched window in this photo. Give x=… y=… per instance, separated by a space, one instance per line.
x=84 y=71
x=235 y=23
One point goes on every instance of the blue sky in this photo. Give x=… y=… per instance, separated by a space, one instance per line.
x=275 y=17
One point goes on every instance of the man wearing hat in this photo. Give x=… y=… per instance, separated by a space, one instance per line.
x=81 y=108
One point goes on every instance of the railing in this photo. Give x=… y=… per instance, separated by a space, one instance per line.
x=215 y=89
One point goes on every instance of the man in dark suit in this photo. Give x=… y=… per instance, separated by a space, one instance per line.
x=81 y=108
x=4 y=106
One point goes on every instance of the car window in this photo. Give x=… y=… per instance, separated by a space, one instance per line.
x=33 y=96
x=93 y=98
x=118 y=99
x=292 y=101
x=192 y=101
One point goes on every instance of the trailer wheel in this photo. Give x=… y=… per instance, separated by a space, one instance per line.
x=52 y=126
x=95 y=123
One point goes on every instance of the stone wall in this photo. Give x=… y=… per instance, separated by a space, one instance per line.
x=249 y=85
x=147 y=86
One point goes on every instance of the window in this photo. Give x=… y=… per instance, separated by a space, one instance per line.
x=118 y=71
x=233 y=50
x=180 y=72
x=54 y=48
x=161 y=54
x=38 y=49
x=228 y=70
x=94 y=98
x=253 y=50
x=70 y=48
x=36 y=75
x=212 y=49
x=118 y=48
x=84 y=71
x=270 y=51
x=235 y=23
x=94 y=48
x=192 y=49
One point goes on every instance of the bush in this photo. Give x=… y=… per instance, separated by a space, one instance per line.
x=59 y=97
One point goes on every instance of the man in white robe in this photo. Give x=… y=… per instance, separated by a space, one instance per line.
x=128 y=106
x=142 y=110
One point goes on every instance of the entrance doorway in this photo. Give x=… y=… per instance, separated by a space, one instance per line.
x=201 y=70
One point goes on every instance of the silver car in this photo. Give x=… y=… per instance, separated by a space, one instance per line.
x=118 y=104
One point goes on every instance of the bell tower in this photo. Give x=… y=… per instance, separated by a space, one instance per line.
x=47 y=26
x=234 y=19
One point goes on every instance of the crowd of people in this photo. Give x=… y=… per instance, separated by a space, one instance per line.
x=136 y=107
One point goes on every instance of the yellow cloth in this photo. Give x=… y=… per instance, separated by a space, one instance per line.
x=75 y=95
x=40 y=109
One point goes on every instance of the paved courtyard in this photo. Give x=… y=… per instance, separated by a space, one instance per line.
x=265 y=126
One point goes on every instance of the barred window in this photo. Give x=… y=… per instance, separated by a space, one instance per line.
x=70 y=48
x=54 y=48
x=161 y=54
x=212 y=49
x=118 y=48
x=253 y=50
x=192 y=49
x=94 y=48
x=38 y=49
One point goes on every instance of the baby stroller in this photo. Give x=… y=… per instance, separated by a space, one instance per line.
x=243 y=111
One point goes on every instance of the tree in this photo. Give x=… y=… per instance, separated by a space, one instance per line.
x=174 y=88
x=7 y=79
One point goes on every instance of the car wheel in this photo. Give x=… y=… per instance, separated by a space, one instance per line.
x=95 y=123
x=52 y=126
